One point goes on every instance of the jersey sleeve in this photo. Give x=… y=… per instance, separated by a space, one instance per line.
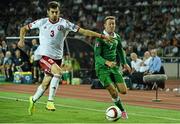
x=121 y=53
x=71 y=26
x=35 y=24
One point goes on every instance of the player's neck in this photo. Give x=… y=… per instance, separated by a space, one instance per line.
x=54 y=21
x=109 y=33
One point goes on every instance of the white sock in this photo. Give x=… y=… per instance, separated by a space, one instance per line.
x=39 y=92
x=53 y=87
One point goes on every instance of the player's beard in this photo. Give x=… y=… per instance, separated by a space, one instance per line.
x=54 y=19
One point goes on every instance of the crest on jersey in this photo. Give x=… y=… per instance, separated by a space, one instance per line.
x=60 y=27
x=97 y=44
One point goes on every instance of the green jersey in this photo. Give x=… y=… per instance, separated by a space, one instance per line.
x=111 y=51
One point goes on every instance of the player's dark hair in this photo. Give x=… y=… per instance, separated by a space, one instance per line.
x=53 y=5
x=109 y=17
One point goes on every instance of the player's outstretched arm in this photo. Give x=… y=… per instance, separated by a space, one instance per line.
x=94 y=34
x=23 y=32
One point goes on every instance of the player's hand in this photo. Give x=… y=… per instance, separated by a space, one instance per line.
x=126 y=66
x=110 y=64
x=108 y=38
x=21 y=44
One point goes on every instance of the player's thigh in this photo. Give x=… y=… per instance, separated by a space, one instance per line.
x=50 y=65
x=55 y=69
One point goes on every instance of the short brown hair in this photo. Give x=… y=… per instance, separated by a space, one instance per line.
x=109 y=17
x=53 y=4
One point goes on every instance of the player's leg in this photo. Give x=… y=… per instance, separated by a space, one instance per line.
x=118 y=102
x=57 y=72
x=122 y=88
x=52 y=67
x=42 y=88
x=119 y=81
x=115 y=97
x=106 y=81
x=39 y=92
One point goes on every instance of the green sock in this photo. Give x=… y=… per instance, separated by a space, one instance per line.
x=118 y=103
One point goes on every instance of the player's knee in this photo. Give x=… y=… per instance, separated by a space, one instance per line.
x=123 y=91
x=57 y=75
x=58 y=71
x=45 y=86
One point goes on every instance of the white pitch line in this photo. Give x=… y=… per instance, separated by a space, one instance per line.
x=91 y=109
x=66 y=106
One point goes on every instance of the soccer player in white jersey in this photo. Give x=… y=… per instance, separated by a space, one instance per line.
x=52 y=33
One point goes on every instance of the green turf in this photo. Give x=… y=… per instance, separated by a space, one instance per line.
x=13 y=109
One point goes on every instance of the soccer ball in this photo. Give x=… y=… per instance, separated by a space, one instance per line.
x=113 y=113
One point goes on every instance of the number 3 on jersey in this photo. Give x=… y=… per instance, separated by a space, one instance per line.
x=52 y=33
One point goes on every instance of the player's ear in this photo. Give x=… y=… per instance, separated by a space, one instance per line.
x=48 y=12
x=104 y=24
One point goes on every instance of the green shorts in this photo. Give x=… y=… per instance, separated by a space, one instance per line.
x=111 y=75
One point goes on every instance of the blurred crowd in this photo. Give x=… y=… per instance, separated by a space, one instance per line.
x=150 y=64
x=14 y=59
x=143 y=24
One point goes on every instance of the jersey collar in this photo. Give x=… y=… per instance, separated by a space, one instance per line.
x=52 y=21
x=114 y=34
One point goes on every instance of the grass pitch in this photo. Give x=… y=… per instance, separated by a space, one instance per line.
x=13 y=109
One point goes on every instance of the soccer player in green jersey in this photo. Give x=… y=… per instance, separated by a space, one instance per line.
x=107 y=69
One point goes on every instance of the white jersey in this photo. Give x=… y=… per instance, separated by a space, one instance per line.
x=136 y=64
x=52 y=36
x=146 y=65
